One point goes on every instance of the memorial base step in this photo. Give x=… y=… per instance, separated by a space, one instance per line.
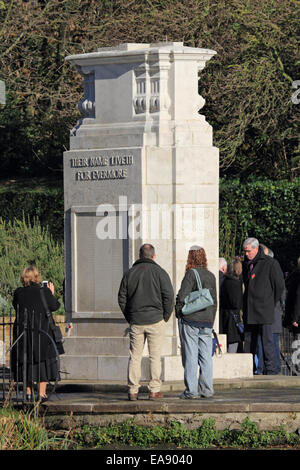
x=104 y=367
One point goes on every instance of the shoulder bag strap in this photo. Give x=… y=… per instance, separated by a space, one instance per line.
x=197 y=279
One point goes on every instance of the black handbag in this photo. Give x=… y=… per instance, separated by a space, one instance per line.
x=56 y=331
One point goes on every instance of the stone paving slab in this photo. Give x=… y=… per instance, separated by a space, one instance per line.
x=285 y=399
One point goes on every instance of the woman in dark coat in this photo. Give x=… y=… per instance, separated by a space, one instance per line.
x=231 y=300
x=41 y=354
x=292 y=304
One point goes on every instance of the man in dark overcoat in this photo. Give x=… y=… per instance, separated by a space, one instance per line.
x=264 y=283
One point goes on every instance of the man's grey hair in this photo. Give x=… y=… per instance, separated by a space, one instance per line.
x=147 y=251
x=270 y=253
x=253 y=242
x=222 y=263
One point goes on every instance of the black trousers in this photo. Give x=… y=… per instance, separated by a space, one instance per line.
x=266 y=332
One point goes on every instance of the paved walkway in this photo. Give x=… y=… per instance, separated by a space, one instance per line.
x=270 y=400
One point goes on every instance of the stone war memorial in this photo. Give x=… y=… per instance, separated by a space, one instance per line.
x=141 y=168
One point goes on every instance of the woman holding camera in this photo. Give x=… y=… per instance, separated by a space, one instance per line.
x=40 y=355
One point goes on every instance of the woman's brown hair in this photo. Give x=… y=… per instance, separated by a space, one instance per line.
x=196 y=257
x=235 y=268
x=29 y=275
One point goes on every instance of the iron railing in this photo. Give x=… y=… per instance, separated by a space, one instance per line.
x=289 y=352
x=17 y=344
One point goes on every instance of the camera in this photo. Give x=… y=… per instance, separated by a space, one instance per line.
x=45 y=284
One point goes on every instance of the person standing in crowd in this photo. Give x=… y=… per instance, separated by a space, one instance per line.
x=276 y=328
x=292 y=305
x=146 y=298
x=42 y=365
x=222 y=270
x=231 y=304
x=292 y=308
x=195 y=329
x=264 y=283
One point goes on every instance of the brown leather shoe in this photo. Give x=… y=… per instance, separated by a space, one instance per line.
x=155 y=395
x=132 y=396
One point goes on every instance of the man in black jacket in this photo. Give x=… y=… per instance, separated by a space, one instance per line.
x=264 y=284
x=146 y=298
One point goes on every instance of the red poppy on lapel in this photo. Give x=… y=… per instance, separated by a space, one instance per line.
x=252 y=276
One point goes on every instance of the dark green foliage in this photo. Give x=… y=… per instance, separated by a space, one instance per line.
x=34 y=199
x=261 y=208
x=247 y=85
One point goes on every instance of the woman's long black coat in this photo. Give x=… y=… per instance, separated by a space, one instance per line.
x=39 y=345
x=292 y=305
x=231 y=300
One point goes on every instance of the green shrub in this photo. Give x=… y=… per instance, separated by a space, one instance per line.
x=23 y=243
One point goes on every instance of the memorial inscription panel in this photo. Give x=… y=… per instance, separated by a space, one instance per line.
x=100 y=176
x=99 y=264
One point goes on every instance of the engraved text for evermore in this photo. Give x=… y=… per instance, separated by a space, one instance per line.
x=101 y=161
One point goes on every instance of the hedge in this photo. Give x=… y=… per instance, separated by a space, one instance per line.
x=34 y=198
x=265 y=209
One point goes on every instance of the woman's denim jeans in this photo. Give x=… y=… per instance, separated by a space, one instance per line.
x=196 y=349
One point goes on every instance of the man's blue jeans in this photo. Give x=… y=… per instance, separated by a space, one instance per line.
x=196 y=349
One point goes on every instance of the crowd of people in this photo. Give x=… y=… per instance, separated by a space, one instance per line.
x=256 y=301
x=253 y=295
